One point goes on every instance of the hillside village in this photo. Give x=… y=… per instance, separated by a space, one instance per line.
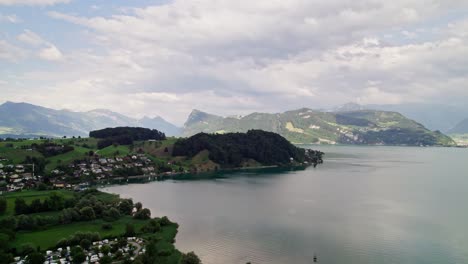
x=15 y=177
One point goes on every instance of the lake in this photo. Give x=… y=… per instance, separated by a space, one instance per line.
x=363 y=205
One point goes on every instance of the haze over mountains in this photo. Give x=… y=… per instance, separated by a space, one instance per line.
x=350 y=123
x=32 y=120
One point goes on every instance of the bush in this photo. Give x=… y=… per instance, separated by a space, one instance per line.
x=151 y=227
x=126 y=206
x=3 y=205
x=85 y=243
x=106 y=226
x=129 y=230
x=143 y=214
x=111 y=214
x=165 y=221
x=105 y=260
x=62 y=243
x=21 y=207
x=26 y=222
x=87 y=213
x=27 y=249
x=35 y=258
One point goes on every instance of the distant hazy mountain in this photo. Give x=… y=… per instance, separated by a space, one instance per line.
x=349 y=107
x=433 y=116
x=23 y=119
x=160 y=124
x=460 y=128
x=312 y=126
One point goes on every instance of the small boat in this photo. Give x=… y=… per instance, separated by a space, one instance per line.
x=315 y=258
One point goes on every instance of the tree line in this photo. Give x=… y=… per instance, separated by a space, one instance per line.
x=125 y=135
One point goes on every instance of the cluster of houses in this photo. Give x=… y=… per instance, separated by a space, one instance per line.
x=132 y=248
x=15 y=177
x=105 y=167
x=18 y=177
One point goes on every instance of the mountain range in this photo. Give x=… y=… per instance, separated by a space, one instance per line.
x=23 y=119
x=432 y=116
x=344 y=126
x=349 y=124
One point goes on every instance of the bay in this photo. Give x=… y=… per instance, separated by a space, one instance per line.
x=363 y=205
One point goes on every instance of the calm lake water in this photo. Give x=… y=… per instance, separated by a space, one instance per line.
x=364 y=205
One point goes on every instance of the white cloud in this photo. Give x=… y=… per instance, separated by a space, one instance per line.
x=239 y=56
x=32 y=2
x=51 y=53
x=31 y=38
x=9 y=18
x=10 y=52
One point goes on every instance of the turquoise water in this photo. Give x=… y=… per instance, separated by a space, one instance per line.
x=364 y=205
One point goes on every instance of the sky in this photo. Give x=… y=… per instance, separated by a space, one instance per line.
x=231 y=57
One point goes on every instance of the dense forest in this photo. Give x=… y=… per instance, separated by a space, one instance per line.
x=231 y=149
x=125 y=135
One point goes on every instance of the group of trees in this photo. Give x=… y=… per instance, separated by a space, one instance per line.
x=231 y=149
x=125 y=135
x=83 y=206
x=49 y=149
x=54 y=202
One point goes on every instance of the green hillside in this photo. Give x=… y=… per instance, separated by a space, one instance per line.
x=366 y=127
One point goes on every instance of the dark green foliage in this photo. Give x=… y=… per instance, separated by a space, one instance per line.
x=4 y=238
x=126 y=206
x=85 y=243
x=136 y=133
x=105 y=260
x=87 y=213
x=190 y=258
x=152 y=226
x=138 y=206
x=143 y=214
x=164 y=221
x=26 y=222
x=125 y=135
x=77 y=238
x=39 y=164
x=78 y=255
x=3 y=205
x=6 y=258
x=20 y=206
x=129 y=230
x=9 y=222
x=111 y=214
x=49 y=149
x=106 y=226
x=69 y=215
x=230 y=150
x=27 y=249
x=133 y=171
x=35 y=258
x=35 y=206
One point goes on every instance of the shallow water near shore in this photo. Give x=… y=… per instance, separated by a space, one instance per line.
x=363 y=205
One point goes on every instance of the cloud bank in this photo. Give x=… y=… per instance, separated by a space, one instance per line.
x=240 y=56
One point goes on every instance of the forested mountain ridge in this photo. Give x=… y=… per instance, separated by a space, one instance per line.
x=364 y=127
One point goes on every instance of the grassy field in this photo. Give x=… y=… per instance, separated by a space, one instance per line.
x=112 y=151
x=48 y=238
x=17 y=155
x=66 y=158
x=28 y=196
